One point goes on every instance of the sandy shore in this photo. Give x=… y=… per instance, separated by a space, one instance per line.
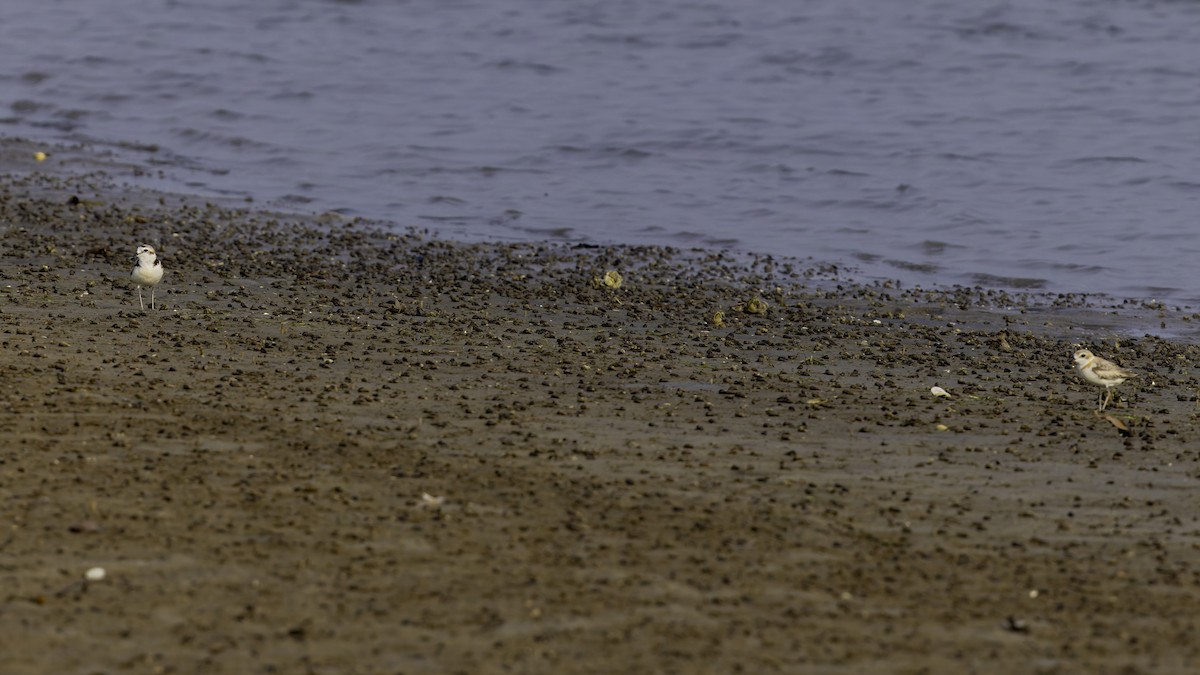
x=335 y=449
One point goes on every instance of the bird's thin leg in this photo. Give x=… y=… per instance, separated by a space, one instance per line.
x=152 y=305
x=140 y=304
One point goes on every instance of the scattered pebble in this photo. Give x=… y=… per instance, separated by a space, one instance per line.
x=428 y=501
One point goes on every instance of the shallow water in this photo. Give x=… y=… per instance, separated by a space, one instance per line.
x=1032 y=145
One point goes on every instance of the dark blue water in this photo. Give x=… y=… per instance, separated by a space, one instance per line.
x=1029 y=144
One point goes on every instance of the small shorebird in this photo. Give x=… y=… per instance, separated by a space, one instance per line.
x=1102 y=372
x=148 y=272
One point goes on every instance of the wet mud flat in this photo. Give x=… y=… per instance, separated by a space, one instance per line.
x=337 y=448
